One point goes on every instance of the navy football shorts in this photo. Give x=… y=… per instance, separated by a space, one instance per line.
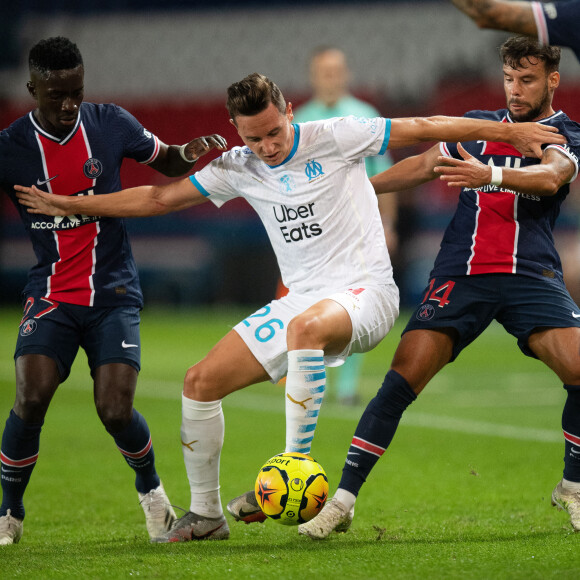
x=57 y=330
x=469 y=304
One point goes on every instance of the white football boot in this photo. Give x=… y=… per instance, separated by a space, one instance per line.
x=334 y=517
x=10 y=530
x=569 y=501
x=159 y=514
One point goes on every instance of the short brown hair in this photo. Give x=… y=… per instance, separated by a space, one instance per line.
x=521 y=48
x=252 y=95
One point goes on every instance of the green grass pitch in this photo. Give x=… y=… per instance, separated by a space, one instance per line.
x=463 y=491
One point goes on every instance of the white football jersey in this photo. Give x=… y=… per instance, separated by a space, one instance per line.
x=318 y=207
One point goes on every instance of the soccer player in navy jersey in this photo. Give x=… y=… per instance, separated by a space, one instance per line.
x=84 y=290
x=497 y=261
x=552 y=22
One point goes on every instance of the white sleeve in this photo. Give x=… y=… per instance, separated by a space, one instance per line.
x=215 y=179
x=358 y=137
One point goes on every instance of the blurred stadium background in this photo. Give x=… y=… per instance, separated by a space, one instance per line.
x=169 y=62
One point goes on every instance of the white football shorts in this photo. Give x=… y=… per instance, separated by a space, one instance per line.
x=372 y=310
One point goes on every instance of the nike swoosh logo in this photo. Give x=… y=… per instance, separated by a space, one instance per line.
x=575 y=315
x=353 y=453
x=575 y=451
x=208 y=534
x=39 y=182
x=191 y=535
x=244 y=514
x=125 y=345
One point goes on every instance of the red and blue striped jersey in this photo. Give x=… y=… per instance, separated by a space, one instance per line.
x=80 y=260
x=495 y=230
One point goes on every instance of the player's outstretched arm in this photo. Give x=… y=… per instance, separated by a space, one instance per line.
x=143 y=201
x=500 y=15
x=543 y=179
x=173 y=160
x=407 y=173
x=525 y=137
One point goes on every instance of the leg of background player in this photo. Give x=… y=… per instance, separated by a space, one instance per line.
x=347 y=380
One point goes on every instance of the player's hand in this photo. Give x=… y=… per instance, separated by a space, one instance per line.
x=38 y=201
x=528 y=138
x=202 y=145
x=469 y=172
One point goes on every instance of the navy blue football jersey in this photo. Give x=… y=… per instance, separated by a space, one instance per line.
x=81 y=260
x=497 y=231
x=559 y=23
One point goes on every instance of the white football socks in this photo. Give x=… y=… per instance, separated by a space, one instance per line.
x=570 y=485
x=346 y=498
x=305 y=386
x=202 y=438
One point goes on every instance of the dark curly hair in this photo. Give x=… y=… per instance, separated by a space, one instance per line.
x=518 y=49
x=56 y=53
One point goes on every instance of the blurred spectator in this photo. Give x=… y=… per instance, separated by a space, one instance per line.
x=330 y=78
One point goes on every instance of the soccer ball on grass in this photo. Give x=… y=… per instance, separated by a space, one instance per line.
x=291 y=488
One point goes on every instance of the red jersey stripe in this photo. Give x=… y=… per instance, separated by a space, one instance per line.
x=494 y=148
x=58 y=160
x=496 y=234
x=71 y=279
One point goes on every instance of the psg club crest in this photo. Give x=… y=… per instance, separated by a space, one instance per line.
x=425 y=312
x=92 y=168
x=28 y=327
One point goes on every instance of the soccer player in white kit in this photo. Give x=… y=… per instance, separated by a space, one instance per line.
x=309 y=186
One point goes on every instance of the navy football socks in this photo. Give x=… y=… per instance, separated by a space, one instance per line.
x=134 y=442
x=375 y=430
x=18 y=455
x=571 y=428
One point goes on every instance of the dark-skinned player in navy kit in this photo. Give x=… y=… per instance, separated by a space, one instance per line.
x=84 y=291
